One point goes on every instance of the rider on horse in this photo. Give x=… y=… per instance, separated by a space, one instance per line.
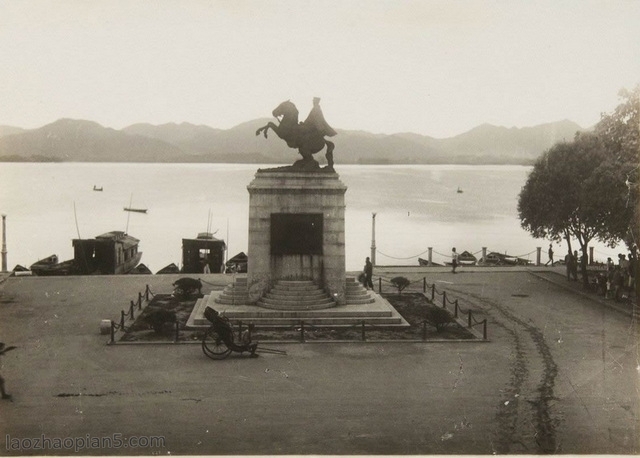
x=307 y=136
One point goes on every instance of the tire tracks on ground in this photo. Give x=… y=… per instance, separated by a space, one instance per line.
x=539 y=403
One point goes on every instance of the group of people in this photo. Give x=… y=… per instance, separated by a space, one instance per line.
x=617 y=280
x=620 y=277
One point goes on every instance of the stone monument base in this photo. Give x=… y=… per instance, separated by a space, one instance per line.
x=379 y=313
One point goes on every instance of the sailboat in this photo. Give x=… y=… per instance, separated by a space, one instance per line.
x=459 y=191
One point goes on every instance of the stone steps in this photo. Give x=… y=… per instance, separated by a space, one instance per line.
x=303 y=293
x=349 y=315
x=296 y=295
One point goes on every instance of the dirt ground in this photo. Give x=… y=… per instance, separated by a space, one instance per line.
x=558 y=374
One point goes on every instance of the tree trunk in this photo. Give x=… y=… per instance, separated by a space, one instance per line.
x=566 y=236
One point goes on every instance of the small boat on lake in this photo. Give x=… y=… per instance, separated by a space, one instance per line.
x=459 y=191
x=136 y=210
x=95 y=188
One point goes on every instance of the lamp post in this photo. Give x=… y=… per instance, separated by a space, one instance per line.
x=373 y=239
x=4 y=243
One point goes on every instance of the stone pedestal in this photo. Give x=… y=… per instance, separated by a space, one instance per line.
x=296 y=231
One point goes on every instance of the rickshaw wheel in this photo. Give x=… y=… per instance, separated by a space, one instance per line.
x=213 y=346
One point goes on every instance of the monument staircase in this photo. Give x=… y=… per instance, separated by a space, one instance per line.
x=293 y=295
x=291 y=301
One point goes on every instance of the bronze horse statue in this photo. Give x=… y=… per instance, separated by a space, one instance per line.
x=307 y=136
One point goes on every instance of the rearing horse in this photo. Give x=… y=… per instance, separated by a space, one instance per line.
x=307 y=136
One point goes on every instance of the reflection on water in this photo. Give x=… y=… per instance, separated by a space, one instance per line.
x=417 y=207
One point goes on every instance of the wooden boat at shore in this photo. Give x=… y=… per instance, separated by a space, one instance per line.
x=95 y=188
x=205 y=253
x=169 y=269
x=112 y=253
x=500 y=259
x=50 y=266
x=136 y=210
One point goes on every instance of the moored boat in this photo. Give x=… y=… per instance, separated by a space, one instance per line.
x=111 y=253
x=136 y=210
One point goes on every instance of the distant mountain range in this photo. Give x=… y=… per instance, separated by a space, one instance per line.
x=86 y=141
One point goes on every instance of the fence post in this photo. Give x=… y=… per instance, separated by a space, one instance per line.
x=379 y=285
x=177 y=331
x=455 y=308
x=484 y=254
x=538 y=251
x=433 y=292
x=139 y=300
x=484 y=331
x=363 y=334
x=113 y=332
x=122 y=319
x=131 y=312
x=469 y=319
x=302 y=331
x=430 y=257
x=444 y=299
x=146 y=293
x=424 y=284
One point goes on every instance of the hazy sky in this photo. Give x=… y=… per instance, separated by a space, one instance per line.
x=433 y=67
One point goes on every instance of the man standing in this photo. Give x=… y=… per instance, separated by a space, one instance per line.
x=568 y=262
x=368 y=274
x=454 y=260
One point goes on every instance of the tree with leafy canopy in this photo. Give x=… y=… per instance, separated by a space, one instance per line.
x=619 y=133
x=587 y=188
x=555 y=202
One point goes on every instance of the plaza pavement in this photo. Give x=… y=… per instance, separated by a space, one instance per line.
x=559 y=374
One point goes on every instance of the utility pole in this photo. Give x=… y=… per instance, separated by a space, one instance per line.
x=373 y=239
x=4 y=243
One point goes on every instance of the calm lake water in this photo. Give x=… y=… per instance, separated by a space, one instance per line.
x=417 y=207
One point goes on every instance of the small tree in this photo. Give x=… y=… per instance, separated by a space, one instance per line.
x=438 y=318
x=400 y=283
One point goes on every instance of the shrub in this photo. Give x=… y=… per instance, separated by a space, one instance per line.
x=438 y=317
x=400 y=283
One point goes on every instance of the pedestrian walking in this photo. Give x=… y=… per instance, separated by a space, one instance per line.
x=454 y=260
x=550 y=256
x=368 y=274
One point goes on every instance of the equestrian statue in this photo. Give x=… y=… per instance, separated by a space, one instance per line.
x=307 y=137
